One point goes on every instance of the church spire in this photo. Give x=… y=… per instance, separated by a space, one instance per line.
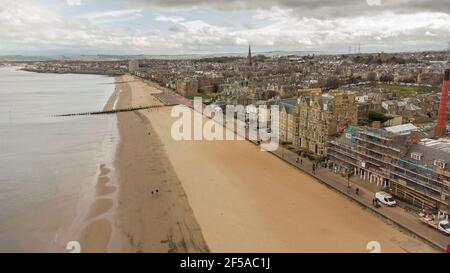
x=249 y=57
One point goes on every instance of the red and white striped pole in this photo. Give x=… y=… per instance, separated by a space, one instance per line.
x=441 y=125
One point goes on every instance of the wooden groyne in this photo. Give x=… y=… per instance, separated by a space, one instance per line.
x=114 y=111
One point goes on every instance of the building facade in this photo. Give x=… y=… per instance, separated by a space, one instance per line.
x=187 y=87
x=288 y=116
x=396 y=160
x=315 y=117
x=133 y=66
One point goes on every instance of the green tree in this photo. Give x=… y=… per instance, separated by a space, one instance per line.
x=377 y=116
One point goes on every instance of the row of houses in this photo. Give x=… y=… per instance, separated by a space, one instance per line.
x=192 y=86
x=309 y=120
x=398 y=159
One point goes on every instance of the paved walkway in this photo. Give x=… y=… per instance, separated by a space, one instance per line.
x=397 y=215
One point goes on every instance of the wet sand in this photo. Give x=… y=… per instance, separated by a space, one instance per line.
x=98 y=223
x=100 y=230
x=222 y=196
x=96 y=236
x=154 y=214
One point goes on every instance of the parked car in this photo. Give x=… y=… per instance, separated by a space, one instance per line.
x=385 y=198
x=432 y=221
x=444 y=227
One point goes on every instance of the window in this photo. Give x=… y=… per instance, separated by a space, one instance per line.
x=439 y=163
x=416 y=156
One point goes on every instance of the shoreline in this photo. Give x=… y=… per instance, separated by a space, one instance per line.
x=59 y=183
x=98 y=232
x=141 y=221
x=93 y=226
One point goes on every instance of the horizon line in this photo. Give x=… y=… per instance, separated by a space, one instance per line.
x=322 y=52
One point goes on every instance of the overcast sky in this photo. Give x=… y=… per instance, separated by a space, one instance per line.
x=52 y=27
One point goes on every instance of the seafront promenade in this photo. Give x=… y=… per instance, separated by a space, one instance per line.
x=398 y=216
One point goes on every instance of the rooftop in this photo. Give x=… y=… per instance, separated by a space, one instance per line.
x=442 y=144
x=401 y=129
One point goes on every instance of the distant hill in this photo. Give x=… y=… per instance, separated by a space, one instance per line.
x=105 y=57
x=21 y=58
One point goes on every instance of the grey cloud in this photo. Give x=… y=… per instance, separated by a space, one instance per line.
x=309 y=8
x=27 y=25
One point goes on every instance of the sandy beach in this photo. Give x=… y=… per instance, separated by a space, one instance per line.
x=250 y=201
x=150 y=212
x=219 y=196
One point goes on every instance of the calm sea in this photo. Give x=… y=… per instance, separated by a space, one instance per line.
x=49 y=165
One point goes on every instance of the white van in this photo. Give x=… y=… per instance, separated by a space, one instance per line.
x=385 y=198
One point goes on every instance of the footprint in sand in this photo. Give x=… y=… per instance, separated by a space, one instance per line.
x=99 y=207
x=95 y=237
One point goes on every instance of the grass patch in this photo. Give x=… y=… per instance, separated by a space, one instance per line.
x=205 y=98
x=377 y=116
x=401 y=91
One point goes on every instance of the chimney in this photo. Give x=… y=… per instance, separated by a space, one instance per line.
x=441 y=127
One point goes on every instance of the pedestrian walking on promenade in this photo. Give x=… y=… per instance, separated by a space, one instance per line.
x=301 y=161
x=296 y=160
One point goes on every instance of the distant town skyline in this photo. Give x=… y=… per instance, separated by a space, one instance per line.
x=131 y=27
